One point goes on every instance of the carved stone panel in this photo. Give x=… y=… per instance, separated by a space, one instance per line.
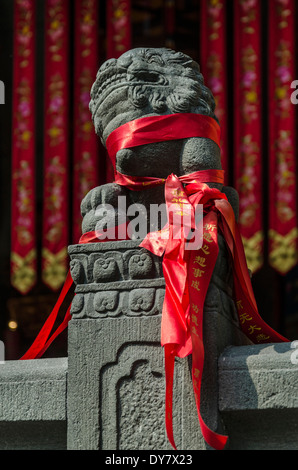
x=132 y=400
x=115 y=279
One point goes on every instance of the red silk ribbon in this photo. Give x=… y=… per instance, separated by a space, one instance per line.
x=150 y=129
x=187 y=275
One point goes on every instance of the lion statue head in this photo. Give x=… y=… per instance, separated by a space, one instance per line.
x=144 y=82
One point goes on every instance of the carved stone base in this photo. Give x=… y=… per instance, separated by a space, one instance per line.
x=115 y=279
x=116 y=386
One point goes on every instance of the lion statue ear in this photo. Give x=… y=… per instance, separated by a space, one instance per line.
x=147 y=81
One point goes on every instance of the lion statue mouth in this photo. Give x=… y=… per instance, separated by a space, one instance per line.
x=148 y=81
x=113 y=78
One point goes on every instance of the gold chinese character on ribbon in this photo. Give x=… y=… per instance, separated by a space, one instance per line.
x=200 y=261
x=209 y=227
x=205 y=249
x=253 y=328
x=197 y=272
x=208 y=237
x=244 y=317
x=196 y=285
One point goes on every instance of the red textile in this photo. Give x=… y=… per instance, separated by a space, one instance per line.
x=55 y=199
x=23 y=238
x=283 y=223
x=159 y=128
x=118 y=27
x=248 y=128
x=213 y=60
x=85 y=148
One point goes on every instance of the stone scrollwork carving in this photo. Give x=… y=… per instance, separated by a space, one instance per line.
x=141 y=300
x=125 y=282
x=105 y=269
x=106 y=302
x=77 y=271
x=140 y=266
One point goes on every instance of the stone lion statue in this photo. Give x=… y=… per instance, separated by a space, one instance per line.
x=149 y=82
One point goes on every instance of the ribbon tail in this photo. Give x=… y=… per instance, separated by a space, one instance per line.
x=169 y=375
x=39 y=345
x=252 y=324
x=58 y=331
x=200 y=269
x=213 y=439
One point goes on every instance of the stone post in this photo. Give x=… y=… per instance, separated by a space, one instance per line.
x=116 y=386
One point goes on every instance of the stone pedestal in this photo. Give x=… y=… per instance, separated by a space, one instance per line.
x=116 y=386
